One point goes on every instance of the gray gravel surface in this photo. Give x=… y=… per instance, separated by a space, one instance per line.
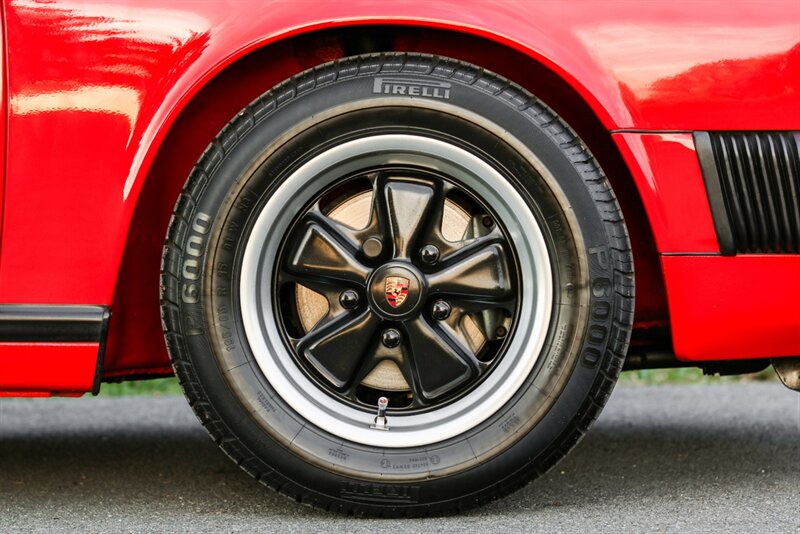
x=669 y=458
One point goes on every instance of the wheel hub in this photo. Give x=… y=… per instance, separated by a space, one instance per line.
x=396 y=290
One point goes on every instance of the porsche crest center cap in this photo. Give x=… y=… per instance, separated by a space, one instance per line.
x=395 y=290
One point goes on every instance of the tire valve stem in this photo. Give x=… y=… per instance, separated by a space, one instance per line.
x=380 y=418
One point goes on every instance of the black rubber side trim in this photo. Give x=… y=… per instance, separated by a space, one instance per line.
x=52 y=323
x=708 y=164
x=98 y=372
x=641 y=131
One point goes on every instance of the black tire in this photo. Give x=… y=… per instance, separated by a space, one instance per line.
x=589 y=253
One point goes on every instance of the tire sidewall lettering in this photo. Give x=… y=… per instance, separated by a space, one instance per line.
x=193 y=250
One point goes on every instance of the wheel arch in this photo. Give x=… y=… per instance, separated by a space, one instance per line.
x=136 y=345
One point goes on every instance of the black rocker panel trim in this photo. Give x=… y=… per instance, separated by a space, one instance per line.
x=52 y=323
x=753 y=185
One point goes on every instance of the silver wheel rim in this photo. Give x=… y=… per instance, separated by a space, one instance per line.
x=276 y=362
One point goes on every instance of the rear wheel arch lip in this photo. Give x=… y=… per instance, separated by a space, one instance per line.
x=191 y=84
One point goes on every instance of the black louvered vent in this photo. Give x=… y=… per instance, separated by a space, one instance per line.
x=756 y=198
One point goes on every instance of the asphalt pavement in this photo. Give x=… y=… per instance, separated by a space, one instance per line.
x=660 y=458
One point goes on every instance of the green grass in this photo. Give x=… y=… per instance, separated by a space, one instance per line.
x=156 y=387
x=688 y=375
x=160 y=387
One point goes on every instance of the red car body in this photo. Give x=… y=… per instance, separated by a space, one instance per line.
x=108 y=105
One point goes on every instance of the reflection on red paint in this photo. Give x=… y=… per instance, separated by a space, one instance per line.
x=668 y=176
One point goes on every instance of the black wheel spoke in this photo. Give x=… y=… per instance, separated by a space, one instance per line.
x=338 y=347
x=404 y=205
x=344 y=234
x=323 y=253
x=330 y=288
x=431 y=224
x=480 y=273
x=479 y=304
x=459 y=250
x=369 y=362
x=437 y=364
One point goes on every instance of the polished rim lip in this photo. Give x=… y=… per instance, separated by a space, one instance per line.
x=273 y=357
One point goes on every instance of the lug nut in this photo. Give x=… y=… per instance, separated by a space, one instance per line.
x=390 y=338
x=372 y=247
x=501 y=331
x=487 y=221
x=440 y=310
x=348 y=299
x=429 y=254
